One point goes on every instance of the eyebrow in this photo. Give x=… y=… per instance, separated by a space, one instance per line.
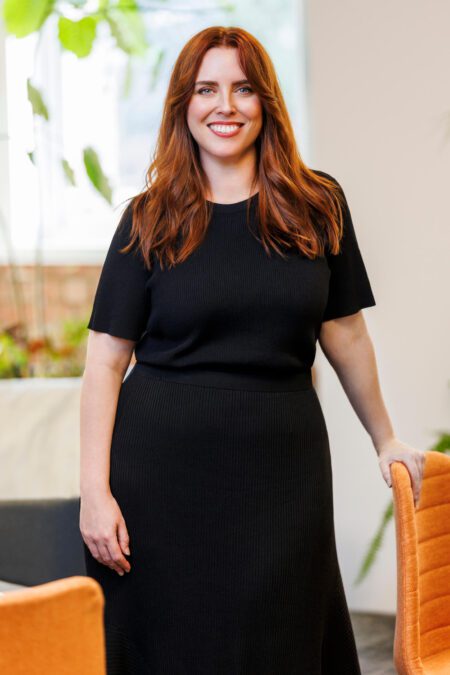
x=212 y=82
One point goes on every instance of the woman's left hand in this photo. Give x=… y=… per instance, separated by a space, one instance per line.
x=393 y=450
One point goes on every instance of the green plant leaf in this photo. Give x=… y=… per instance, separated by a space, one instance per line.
x=31 y=156
x=375 y=544
x=23 y=17
x=442 y=445
x=95 y=173
x=77 y=36
x=226 y=6
x=13 y=357
x=74 y=331
x=68 y=171
x=127 y=27
x=36 y=100
x=443 y=442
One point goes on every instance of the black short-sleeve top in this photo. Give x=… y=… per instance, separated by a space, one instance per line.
x=229 y=313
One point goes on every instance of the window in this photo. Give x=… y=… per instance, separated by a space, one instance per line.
x=89 y=106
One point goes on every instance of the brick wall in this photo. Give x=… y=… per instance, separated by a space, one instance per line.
x=68 y=294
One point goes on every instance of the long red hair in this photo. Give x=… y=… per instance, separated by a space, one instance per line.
x=296 y=206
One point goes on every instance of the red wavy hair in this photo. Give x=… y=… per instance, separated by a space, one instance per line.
x=296 y=206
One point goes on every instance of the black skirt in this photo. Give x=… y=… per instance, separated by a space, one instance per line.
x=227 y=498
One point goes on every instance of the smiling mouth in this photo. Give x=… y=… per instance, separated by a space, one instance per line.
x=225 y=129
x=225 y=124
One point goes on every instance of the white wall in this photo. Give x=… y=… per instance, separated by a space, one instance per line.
x=380 y=120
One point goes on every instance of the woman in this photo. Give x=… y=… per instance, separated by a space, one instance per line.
x=206 y=483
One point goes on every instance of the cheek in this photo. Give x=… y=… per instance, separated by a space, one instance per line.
x=197 y=111
x=253 y=111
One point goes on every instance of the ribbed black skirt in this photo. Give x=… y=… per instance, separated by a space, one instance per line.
x=227 y=497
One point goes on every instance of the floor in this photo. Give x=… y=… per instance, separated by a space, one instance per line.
x=374 y=634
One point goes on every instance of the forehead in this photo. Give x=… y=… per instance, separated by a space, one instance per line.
x=221 y=64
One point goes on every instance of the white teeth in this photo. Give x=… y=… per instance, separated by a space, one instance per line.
x=225 y=128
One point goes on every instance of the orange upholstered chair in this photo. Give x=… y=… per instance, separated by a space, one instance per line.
x=422 y=628
x=54 y=628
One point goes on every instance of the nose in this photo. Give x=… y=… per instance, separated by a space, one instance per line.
x=225 y=103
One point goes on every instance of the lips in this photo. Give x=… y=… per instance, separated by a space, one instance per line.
x=226 y=124
x=225 y=133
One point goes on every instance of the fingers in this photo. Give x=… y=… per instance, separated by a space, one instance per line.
x=420 y=464
x=104 y=532
x=107 y=559
x=415 y=480
x=117 y=557
x=108 y=552
x=385 y=470
x=122 y=535
x=415 y=466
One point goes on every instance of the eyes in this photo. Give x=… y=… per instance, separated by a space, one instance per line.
x=209 y=88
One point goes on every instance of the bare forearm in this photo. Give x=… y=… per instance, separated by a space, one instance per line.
x=357 y=371
x=98 y=403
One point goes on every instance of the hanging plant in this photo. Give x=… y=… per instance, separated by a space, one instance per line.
x=77 y=35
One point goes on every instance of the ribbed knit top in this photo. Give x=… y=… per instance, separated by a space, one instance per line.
x=230 y=315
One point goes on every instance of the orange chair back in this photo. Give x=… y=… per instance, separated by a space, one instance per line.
x=422 y=629
x=54 y=628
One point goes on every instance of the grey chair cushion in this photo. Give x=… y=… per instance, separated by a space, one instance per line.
x=40 y=540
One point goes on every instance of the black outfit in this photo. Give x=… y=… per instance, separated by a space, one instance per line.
x=220 y=458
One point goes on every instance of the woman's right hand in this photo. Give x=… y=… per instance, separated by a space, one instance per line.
x=104 y=531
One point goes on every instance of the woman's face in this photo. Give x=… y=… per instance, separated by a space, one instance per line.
x=222 y=96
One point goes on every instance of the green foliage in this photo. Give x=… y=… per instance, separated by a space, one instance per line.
x=37 y=102
x=74 y=332
x=60 y=356
x=95 y=173
x=441 y=445
x=23 y=17
x=68 y=171
x=375 y=544
x=13 y=357
x=77 y=36
x=127 y=27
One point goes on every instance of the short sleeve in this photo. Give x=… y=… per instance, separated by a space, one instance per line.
x=349 y=286
x=121 y=303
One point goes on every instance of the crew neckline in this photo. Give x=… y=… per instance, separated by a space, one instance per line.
x=233 y=207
